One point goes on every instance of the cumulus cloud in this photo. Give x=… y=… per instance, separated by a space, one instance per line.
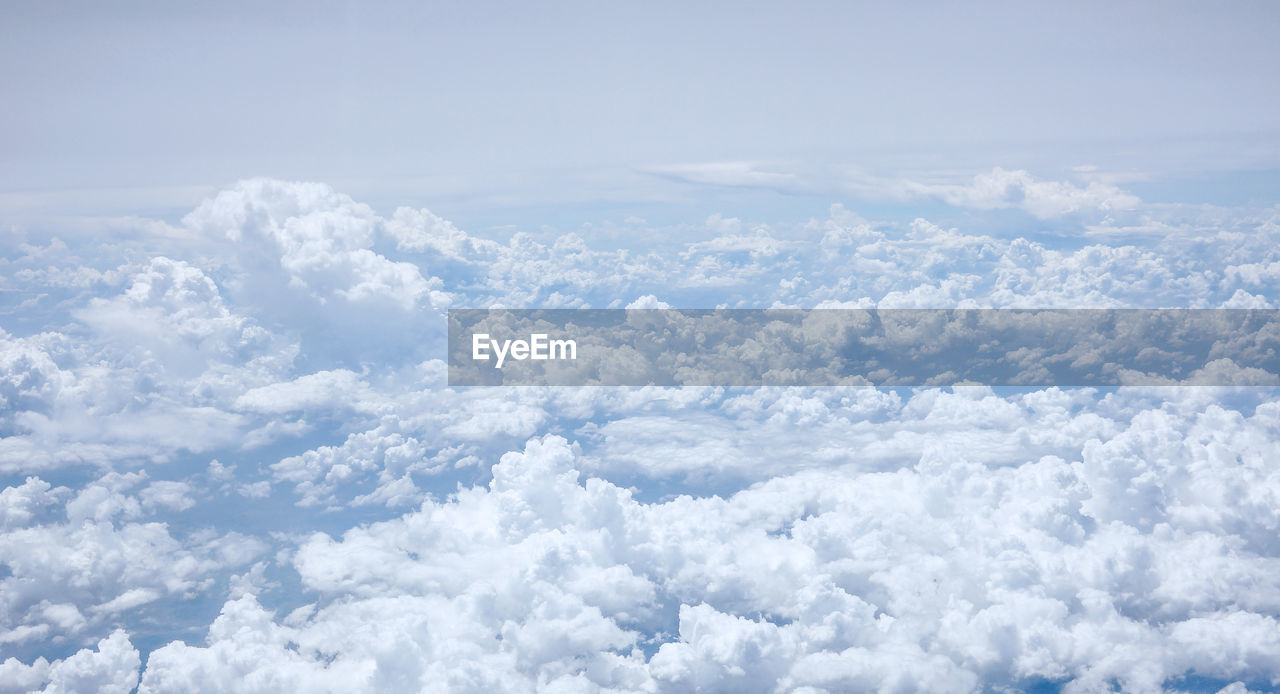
x=172 y=312
x=75 y=560
x=319 y=238
x=933 y=577
x=238 y=444
x=110 y=669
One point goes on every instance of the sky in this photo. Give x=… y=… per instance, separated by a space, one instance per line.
x=231 y=461
x=478 y=105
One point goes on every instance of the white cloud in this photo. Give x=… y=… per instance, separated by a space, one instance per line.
x=20 y=504
x=168 y=494
x=1000 y=188
x=810 y=539
x=64 y=578
x=321 y=239
x=934 y=577
x=110 y=669
x=728 y=173
x=324 y=390
x=648 y=301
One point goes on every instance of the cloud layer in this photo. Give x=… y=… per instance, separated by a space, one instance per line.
x=229 y=453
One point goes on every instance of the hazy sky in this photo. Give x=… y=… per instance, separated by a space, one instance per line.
x=589 y=100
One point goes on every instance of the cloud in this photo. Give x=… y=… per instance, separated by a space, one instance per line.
x=168 y=494
x=110 y=669
x=324 y=390
x=321 y=239
x=728 y=173
x=73 y=573
x=172 y=312
x=932 y=577
x=370 y=529
x=648 y=301
x=1000 y=188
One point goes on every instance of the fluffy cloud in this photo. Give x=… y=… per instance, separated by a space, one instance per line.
x=641 y=539
x=321 y=241
x=77 y=560
x=110 y=669
x=933 y=577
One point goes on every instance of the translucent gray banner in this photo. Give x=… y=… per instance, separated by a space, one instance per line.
x=889 y=347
